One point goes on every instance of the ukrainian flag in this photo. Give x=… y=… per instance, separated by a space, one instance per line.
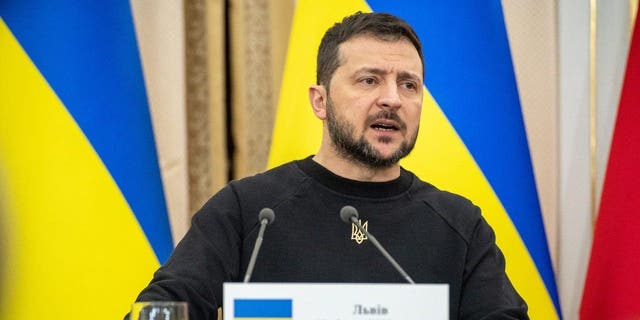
x=262 y=309
x=85 y=219
x=472 y=139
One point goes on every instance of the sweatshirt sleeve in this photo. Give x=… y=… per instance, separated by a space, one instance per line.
x=487 y=292
x=205 y=258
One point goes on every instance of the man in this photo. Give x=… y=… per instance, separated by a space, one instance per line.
x=369 y=97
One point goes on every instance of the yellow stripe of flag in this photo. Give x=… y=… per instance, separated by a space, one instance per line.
x=75 y=250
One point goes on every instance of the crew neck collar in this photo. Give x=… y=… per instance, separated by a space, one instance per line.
x=353 y=187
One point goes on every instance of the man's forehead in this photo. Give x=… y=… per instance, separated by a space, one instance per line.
x=355 y=54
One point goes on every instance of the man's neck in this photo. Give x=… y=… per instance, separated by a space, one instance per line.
x=351 y=169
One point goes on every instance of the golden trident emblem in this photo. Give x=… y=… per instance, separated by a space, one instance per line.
x=357 y=235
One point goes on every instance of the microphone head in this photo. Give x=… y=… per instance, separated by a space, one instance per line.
x=347 y=212
x=267 y=213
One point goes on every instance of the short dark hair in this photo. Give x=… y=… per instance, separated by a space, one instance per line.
x=383 y=26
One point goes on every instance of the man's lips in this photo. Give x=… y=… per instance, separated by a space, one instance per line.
x=385 y=125
x=386 y=121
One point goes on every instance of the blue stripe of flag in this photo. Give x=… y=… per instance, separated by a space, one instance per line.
x=262 y=308
x=88 y=53
x=469 y=72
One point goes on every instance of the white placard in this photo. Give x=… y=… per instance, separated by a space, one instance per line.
x=337 y=301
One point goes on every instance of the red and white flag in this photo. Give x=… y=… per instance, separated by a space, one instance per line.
x=612 y=288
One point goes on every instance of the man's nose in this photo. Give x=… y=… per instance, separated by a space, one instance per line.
x=389 y=97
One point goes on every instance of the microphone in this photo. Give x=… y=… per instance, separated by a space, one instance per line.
x=349 y=214
x=266 y=217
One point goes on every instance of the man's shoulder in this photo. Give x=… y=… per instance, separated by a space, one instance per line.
x=274 y=181
x=459 y=212
x=250 y=194
x=440 y=200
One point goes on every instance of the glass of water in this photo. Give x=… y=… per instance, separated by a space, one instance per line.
x=159 y=310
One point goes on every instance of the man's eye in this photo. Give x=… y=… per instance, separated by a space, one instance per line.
x=369 y=81
x=410 y=85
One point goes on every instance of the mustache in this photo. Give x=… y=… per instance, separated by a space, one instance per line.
x=387 y=115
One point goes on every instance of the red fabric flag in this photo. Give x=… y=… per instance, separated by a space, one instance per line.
x=612 y=288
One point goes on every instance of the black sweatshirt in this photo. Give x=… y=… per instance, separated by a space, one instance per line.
x=436 y=236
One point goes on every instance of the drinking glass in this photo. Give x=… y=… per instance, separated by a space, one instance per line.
x=159 y=310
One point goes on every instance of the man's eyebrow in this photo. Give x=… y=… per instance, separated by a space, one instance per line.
x=409 y=75
x=378 y=71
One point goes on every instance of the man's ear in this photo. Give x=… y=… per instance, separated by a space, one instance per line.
x=318 y=98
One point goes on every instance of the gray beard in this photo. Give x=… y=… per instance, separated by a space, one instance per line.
x=361 y=150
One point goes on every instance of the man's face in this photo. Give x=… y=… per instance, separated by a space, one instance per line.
x=374 y=101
